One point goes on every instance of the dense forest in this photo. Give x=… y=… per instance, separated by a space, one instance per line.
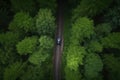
x=91 y=39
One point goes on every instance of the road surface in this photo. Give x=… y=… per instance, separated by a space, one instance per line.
x=58 y=48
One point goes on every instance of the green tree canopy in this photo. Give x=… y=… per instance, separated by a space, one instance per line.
x=9 y=39
x=90 y=8
x=95 y=46
x=38 y=57
x=82 y=28
x=13 y=71
x=34 y=73
x=27 y=45
x=111 y=41
x=46 y=42
x=113 y=16
x=93 y=65
x=45 y=22
x=112 y=65
x=22 y=22
x=103 y=29
x=72 y=75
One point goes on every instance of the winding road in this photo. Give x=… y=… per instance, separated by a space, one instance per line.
x=58 y=48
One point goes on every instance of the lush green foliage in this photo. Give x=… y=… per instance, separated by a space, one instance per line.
x=38 y=57
x=95 y=46
x=36 y=72
x=22 y=21
x=9 y=39
x=75 y=57
x=112 y=65
x=26 y=46
x=13 y=71
x=45 y=22
x=103 y=29
x=93 y=65
x=72 y=75
x=46 y=42
x=112 y=40
x=26 y=53
x=91 y=8
x=91 y=39
x=82 y=28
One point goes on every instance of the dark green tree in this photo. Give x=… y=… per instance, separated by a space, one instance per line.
x=90 y=8
x=111 y=41
x=22 y=5
x=113 y=16
x=112 y=66
x=9 y=39
x=50 y=4
x=13 y=71
x=93 y=66
x=22 y=22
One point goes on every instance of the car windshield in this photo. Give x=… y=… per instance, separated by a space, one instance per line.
x=58 y=39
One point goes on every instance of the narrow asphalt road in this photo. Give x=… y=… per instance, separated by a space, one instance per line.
x=58 y=48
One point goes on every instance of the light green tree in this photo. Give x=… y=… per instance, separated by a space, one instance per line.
x=27 y=45
x=82 y=28
x=46 y=42
x=38 y=57
x=45 y=22
x=75 y=57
